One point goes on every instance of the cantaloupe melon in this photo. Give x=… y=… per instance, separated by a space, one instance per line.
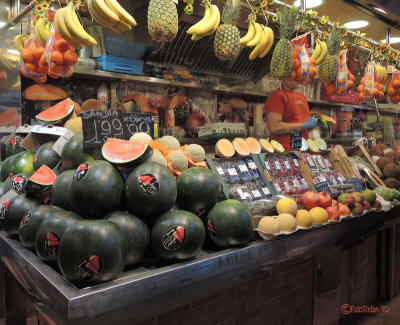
x=195 y=152
x=303 y=218
x=241 y=146
x=178 y=160
x=269 y=225
x=266 y=146
x=287 y=222
x=277 y=146
x=224 y=148
x=255 y=146
x=158 y=158
x=141 y=137
x=170 y=142
x=74 y=124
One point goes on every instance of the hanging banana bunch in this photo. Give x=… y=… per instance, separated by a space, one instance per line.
x=208 y=24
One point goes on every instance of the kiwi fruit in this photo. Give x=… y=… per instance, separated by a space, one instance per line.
x=392 y=182
x=390 y=170
x=382 y=162
x=393 y=156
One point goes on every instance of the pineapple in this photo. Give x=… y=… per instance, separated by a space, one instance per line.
x=328 y=68
x=227 y=36
x=162 y=19
x=282 y=58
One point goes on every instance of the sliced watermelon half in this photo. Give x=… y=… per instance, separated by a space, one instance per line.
x=125 y=153
x=8 y=116
x=40 y=183
x=57 y=114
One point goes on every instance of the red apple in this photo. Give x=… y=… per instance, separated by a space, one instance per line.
x=344 y=210
x=358 y=209
x=367 y=205
x=347 y=199
x=335 y=203
x=325 y=199
x=310 y=200
x=333 y=212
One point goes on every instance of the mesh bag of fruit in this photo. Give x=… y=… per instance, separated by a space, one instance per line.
x=343 y=82
x=303 y=67
x=31 y=59
x=394 y=88
x=370 y=86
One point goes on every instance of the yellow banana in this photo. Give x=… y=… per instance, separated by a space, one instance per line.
x=270 y=35
x=317 y=50
x=260 y=47
x=249 y=35
x=42 y=31
x=123 y=26
x=210 y=23
x=75 y=27
x=193 y=29
x=121 y=12
x=257 y=35
x=324 y=52
x=97 y=16
x=61 y=27
x=198 y=36
x=103 y=12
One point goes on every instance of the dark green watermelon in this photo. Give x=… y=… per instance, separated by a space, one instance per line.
x=50 y=232
x=45 y=155
x=2 y=188
x=73 y=153
x=198 y=188
x=230 y=223
x=22 y=163
x=136 y=232
x=150 y=190
x=60 y=190
x=30 y=223
x=96 y=189
x=92 y=252
x=5 y=168
x=13 y=210
x=177 y=235
x=17 y=182
x=14 y=146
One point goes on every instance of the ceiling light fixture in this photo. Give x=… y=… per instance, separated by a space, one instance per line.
x=356 y=24
x=380 y=10
x=393 y=40
x=309 y=3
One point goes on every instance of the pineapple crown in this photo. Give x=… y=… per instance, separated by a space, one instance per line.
x=333 y=41
x=231 y=12
x=287 y=21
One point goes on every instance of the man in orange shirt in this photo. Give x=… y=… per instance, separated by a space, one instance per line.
x=288 y=110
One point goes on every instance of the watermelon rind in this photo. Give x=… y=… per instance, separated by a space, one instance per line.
x=2 y=188
x=40 y=183
x=14 y=146
x=98 y=243
x=60 y=190
x=51 y=116
x=45 y=155
x=133 y=157
x=5 y=168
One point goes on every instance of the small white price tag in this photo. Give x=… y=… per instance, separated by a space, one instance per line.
x=277 y=164
x=296 y=163
x=287 y=164
x=278 y=188
x=310 y=162
x=321 y=178
x=241 y=194
x=243 y=168
x=287 y=186
x=256 y=193
x=303 y=180
x=321 y=163
x=267 y=165
x=232 y=171
x=252 y=165
x=333 y=179
x=266 y=191
x=327 y=163
x=220 y=171
x=296 y=183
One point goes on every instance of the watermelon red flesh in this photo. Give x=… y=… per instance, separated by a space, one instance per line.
x=8 y=116
x=57 y=113
x=43 y=176
x=125 y=153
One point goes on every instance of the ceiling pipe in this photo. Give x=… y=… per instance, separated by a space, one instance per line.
x=388 y=35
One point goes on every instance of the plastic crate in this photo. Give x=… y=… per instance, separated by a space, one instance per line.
x=121 y=65
x=125 y=49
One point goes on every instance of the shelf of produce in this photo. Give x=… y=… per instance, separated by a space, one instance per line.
x=143 y=292
x=100 y=74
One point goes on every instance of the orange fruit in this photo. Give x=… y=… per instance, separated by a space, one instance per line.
x=359 y=88
x=57 y=57
x=395 y=99
x=293 y=76
x=341 y=90
x=392 y=92
x=300 y=71
x=31 y=67
x=312 y=61
x=381 y=95
x=361 y=97
x=350 y=84
x=70 y=58
x=367 y=92
x=27 y=55
x=381 y=88
x=313 y=72
x=375 y=92
x=330 y=90
x=362 y=81
x=296 y=64
x=37 y=53
x=56 y=68
x=295 y=54
x=61 y=45
x=396 y=83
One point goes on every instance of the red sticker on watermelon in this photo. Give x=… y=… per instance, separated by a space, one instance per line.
x=149 y=184
x=51 y=245
x=18 y=183
x=13 y=142
x=80 y=172
x=25 y=219
x=174 y=238
x=210 y=226
x=89 y=268
x=34 y=158
x=4 y=209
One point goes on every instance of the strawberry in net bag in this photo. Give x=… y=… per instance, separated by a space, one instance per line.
x=303 y=67
x=31 y=59
x=394 y=88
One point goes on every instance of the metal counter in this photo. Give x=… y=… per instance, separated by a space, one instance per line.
x=144 y=292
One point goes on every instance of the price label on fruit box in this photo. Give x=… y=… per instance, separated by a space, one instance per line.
x=252 y=165
x=98 y=126
x=277 y=164
x=296 y=139
x=243 y=168
x=278 y=188
x=135 y=123
x=296 y=163
x=266 y=191
x=220 y=170
x=296 y=183
x=287 y=164
x=256 y=193
x=267 y=165
x=232 y=172
x=322 y=187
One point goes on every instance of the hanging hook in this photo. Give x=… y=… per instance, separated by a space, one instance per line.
x=355 y=55
x=252 y=10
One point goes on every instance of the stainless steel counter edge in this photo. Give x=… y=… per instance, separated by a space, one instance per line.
x=142 y=292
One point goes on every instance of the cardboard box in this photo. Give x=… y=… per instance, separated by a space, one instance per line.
x=21 y=130
x=212 y=130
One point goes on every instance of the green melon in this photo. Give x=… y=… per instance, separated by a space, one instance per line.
x=92 y=252
x=5 y=168
x=50 y=232
x=60 y=190
x=136 y=232
x=14 y=146
x=45 y=155
x=230 y=223
x=96 y=189
x=150 y=190
x=30 y=223
x=2 y=188
x=13 y=210
x=17 y=182
x=198 y=189
x=22 y=162
x=73 y=153
x=177 y=235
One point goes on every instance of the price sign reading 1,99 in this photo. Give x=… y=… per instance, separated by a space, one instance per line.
x=134 y=123
x=98 y=126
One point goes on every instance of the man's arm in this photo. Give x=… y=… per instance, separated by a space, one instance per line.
x=277 y=126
